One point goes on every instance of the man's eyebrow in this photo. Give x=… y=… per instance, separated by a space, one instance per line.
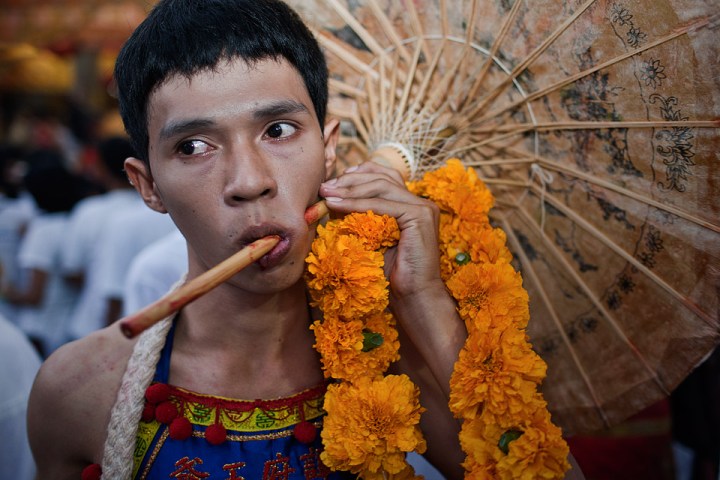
x=282 y=107
x=181 y=127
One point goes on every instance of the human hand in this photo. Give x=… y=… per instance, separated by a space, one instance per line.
x=425 y=310
x=413 y=266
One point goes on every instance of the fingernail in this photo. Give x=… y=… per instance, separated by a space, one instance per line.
x=333 y=199
x=351 y=169
x=330 y=182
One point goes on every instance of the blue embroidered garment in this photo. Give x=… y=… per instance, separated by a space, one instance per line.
x=190 y=436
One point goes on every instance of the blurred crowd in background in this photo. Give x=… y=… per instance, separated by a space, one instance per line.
x=71 y=227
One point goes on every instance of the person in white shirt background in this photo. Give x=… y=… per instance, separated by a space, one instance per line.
x=45 y=300
x=17 y=208
x=126 y=234
x=89 y=219
x=19 y=363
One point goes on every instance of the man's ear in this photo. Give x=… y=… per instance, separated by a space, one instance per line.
x=140 y=177
x=331 y=134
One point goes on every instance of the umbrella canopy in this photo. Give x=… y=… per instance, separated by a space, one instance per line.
x=595 y=123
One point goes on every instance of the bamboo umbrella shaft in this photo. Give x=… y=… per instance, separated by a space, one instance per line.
x=145 y=318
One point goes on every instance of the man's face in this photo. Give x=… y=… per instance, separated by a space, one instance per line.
x=237 y=154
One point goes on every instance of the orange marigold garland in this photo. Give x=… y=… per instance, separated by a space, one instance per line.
x=507 y=431
x=373 y=420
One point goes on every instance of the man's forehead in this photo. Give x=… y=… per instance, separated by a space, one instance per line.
x=278 y=72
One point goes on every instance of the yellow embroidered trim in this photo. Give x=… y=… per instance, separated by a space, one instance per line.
x=256 y=420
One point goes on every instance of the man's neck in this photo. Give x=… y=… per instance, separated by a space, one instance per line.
x=253 y=347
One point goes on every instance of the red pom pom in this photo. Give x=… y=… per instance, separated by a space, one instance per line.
x=157 y=392
x=166 y=412
x=91 y=472
x=148 y=413
x=180 y=429
x=305 y=432
x=215 y=434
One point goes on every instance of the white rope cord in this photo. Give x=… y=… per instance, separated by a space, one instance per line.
x=117 y=463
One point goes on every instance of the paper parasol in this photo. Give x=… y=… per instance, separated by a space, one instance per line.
x=595 y=123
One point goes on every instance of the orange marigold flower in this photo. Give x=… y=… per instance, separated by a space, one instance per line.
x=488 y=291
x=488 y=245
x=500 y=372
x=371 y=425
x=540 y=452
x=344 y=278
x=481 y=242
x=340 y=345
x=479 y=439
x=336 y=341
x=457 y=190
x=476 y=471
x=537 y=449
x=375 y=231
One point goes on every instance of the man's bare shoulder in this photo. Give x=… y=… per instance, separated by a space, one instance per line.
x=71 y=400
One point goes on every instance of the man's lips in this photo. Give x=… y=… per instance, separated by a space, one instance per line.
x=274 y=256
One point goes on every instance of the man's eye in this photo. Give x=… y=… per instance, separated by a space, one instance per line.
x=280 y=130
x=193 y=147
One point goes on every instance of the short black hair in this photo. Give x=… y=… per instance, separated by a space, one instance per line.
x=186 y=37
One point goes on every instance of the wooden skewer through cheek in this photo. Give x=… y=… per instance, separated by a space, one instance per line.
x=140 y=321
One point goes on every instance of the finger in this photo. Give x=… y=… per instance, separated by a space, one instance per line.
x=422 y=213
x=368 y=186
x=373 y=167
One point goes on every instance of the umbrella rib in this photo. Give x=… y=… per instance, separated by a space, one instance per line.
x=504 y=29
x=356 y=27
x=409 y=82
x=346 y=89
x=628 y=193
x=336 y=47
x=702 y=22
x=520 y=128
x=522 y=66
x=386 y=26
x=417 y=26
x=600 y=182
x=528 y=268
x=578 y=220
x=590 y=294
x=499 y=161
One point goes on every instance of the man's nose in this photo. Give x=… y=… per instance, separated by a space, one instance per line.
x=248 y=176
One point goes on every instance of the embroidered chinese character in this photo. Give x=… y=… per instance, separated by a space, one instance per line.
x=278 y=469
x=313 y=467
x=141 y=447
x=200 y=413
x=186 y=469
x=263 y=420
x=233 y=468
